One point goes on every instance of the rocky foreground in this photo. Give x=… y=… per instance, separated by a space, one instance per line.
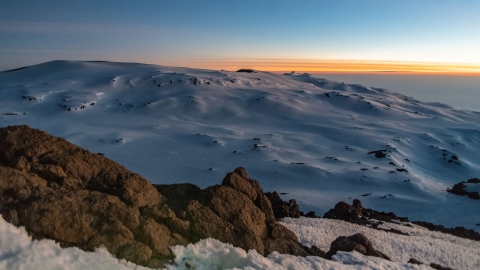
x=59 y=191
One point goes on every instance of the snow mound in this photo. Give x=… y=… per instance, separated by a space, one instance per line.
x=305 y=137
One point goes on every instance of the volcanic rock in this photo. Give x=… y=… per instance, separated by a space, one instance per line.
x=283 y=209
x=459 y=189
x=59 y=191
x=357 y=242
x=356 y=214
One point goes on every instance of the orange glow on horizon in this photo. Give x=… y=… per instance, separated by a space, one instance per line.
x=334 y=66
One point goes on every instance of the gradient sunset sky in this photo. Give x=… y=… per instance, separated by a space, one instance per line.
x=323 y=36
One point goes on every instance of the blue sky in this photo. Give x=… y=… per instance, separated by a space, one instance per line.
x=202 y=33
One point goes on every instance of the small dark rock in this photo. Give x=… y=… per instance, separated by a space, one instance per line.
x=414 y=261
x=378 y=153
x=439 y=267
x=247 y=70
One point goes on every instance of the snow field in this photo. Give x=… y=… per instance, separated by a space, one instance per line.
x=303 y=136
x=421 y=244
x=18 y=251
x=307 y=138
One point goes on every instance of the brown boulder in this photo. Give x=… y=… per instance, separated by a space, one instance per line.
x=344 y=211
x=357 y=242
x=237 y=209
x=54 y=158
x=59 y=191
x=135 y=252
x=238 y=180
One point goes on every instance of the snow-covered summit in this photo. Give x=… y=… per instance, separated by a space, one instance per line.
x=301 y=135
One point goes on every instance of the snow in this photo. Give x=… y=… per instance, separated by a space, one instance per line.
x=420 y=243
x=472 y=187
x=297 y=134
x=18 y=251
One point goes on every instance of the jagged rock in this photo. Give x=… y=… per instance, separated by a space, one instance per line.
x=459 y=189
x=344 y=211
x=239 y=180
x=357 y=242
x=311 y=214
x=59 y=191
x=179 y=195
x=283 y=209
x=356 y=214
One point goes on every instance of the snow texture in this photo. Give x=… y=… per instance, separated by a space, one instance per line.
x=420 y=243
x=18 y=251
x=307 y=138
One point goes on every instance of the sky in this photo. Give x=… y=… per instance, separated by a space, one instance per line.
x=327 y=36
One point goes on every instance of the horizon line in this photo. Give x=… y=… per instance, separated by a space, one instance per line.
x=333 y=66
x=310 y=66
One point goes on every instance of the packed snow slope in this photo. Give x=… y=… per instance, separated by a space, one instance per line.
x=300 y=135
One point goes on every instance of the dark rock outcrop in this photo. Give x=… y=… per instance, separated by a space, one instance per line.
x=414 y=261
x=356 y=214
x=59 y=191
x=457 y=231
x=283 y=209
x=247 y=70
x=459 y=189
x=378 y=153
x=357 y=242
x=440 y=267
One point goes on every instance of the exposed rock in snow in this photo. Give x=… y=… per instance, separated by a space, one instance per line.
x=470 y=188
x=59 y=191
x=357 y=242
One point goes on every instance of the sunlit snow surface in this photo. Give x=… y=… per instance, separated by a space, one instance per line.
x=17 y=251
x=305 y=136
